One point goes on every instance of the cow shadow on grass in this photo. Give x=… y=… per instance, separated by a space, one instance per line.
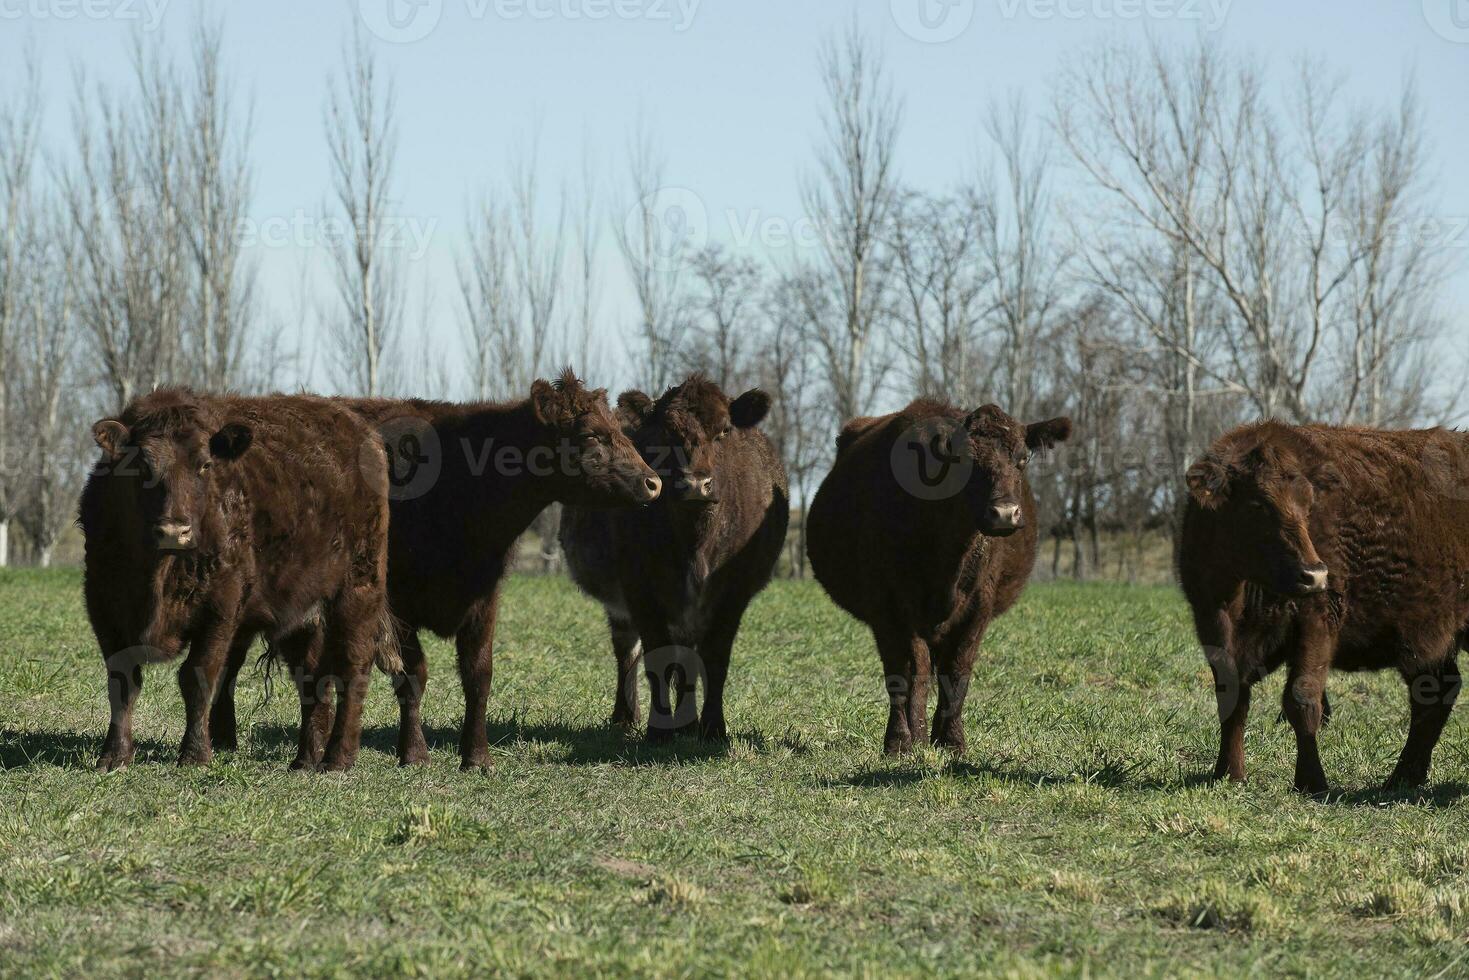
x=568 y=744
x=71 y=750
x=1110 y=775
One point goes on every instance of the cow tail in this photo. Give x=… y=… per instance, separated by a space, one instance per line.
x=389 y=658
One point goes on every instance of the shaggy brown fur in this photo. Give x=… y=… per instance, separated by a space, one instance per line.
x=675 y=578
x=211 y=519
x=928 y=575
x=1322 y=548
x=492 y=468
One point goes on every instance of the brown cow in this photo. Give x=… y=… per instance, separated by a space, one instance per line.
x=1320 y=548
x=925 y=530
x=468 y=479
x=675 y=578
x=209 y=519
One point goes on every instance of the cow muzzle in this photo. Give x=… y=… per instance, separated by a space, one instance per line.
x=173 y=535
x=1311 y=580
x=1001 y=519
x=698 y=490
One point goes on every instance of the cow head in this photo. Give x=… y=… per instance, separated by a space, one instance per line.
x=686 y=434
x=171 y=450
x=1264 y=499
x=597 y=466
x=1000 y=448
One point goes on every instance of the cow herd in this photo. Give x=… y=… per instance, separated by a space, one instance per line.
x=338 y=529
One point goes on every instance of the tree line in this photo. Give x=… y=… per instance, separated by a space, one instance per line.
x=1174 y=241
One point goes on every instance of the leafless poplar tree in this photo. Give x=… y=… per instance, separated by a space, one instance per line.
x=362 y=139
x=941 y=294
x=215 y=195
x=19 y=126
x=724 y=314
x=653 y=237
x=850 y=199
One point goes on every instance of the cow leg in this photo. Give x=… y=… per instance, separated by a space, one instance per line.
x=198 y=677
x=901 y=655
x=714 y=654
x=223 y=728
x=409 y=686
x=475 y=644
x=1233 y=697
x=351 y=645
x=672 y=673
x=1305 y=686
x=1431 y=697
x=124 y=684
x=627 y=649
x=303 y=652
x=954 y=664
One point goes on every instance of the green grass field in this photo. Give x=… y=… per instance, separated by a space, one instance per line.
x=1076 y=837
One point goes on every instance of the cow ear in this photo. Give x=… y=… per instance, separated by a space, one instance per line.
x=1044 y=435
x=750 y=409
x=1208 y=482
x=231 y=441
x=545 y=401
x=110 y=435
x=635 y=406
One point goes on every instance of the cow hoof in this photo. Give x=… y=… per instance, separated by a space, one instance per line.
x=194 y=759
x=417 y=757
x=1404 y=780
x=112 y=763
x=304 y=765
x=897 y=746
x=714 y=733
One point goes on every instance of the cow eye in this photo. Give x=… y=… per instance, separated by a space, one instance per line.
x=206 y=466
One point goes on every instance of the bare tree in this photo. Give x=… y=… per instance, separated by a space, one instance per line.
x=215 y=194
x=941 y=294
x=723 y=314
x=362 y=139
x=849 y=200
x=653 y=235
x=800 y=422
x=48 y=400
x=123 y=202
x=19 y=125
x=1021 y=256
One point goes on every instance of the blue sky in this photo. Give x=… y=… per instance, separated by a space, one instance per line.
x=729 y=87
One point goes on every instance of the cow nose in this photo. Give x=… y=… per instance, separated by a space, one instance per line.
x=1004 y=515
x=653 y=486
x=706 y=486
x=174 y=534
x=1313 y=578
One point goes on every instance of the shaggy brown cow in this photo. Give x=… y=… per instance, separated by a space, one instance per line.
x=675 y=578
x=925 y=530
x=212 y=518
x=468 y=479
x=1321 y=548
